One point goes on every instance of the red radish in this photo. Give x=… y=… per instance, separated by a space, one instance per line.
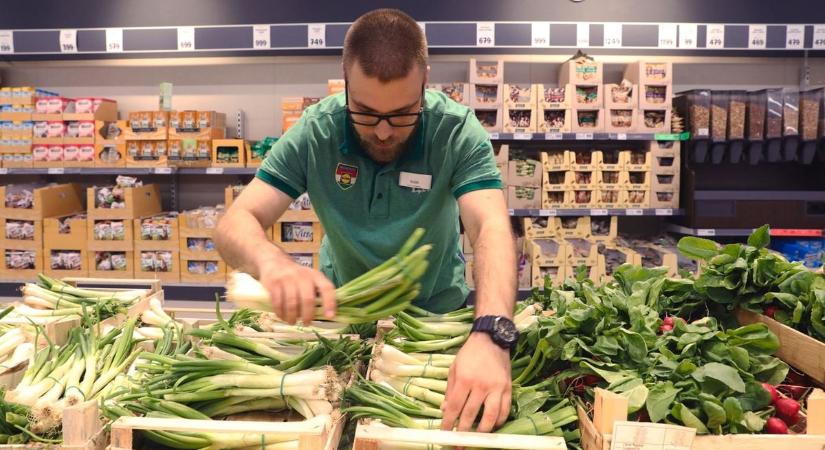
x=590 y=380
x=668 y=320
x=665 y=328
x=774 y=395
x=775 y=425
x=788 y=410
x=796 y=378
x=769 y=311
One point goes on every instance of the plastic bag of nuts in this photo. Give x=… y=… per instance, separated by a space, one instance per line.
x=757 y=109
x=719 y=115
x=737 y=112
x=810 y=104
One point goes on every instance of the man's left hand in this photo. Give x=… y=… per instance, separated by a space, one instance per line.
x=480 y=375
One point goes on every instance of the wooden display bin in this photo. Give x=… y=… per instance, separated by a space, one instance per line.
x=172 y=275
x=377 y=436
x=557 y=180
x=236 y=146
x=611 y=159
x=189 y=276
x=664 y=198
x=652 y=96
x=649 y=72
x=555 y=160
x=312 y=245
x=552 y=97
x=525 y=172
x=47 y=156
x=490 y=72
x=621 y=121
x=146 y=154
x=636 y=160
x=458 y=92
x=139 y=201
x=157 y=134
x=588 y=96
x=581 y=71
x=490 y=118
x=584 y=160
x=582 y=179
x=81 y=271
x=127 y=257
x=587 y=121
x=204 y=134
x=74 y=238
x=9 y=273
x=115 y=245
x=661 y=124
x=538 y=273
x=664 y=181
x=229 y=196
x=635 y=179
x=583 y=198
x=189 y=153
x=602 y=228
x=15 y=116
x=170 y=242
x=555 y=121
x=636 y=198
x=36 y=243
x=557 y=199
x=520 y=120
x=608 y=179
x=520 y=96
x=617 y=96
x=49 y=201
x=110 y=155
x=546 y=251
x=486 y=96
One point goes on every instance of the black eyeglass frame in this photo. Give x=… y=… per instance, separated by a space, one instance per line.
x=383 y=117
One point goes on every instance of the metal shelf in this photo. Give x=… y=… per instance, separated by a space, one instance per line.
x=553 y=137
x=131 y=171
x=744 y=232
x=662 y=212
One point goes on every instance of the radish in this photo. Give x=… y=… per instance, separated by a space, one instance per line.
x=668 y=320
x=788 y=410
x=666 y=328
x=774 y=395
x=590 y=380
x=775 y=425
x=769 y=311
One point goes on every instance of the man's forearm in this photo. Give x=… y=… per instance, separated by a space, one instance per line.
x=495 y=271
x=243 y=244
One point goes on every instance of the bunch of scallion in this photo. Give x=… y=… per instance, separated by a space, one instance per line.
x=379 y=293
x=16 y=343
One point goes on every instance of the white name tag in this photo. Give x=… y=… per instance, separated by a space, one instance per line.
x=415 y=180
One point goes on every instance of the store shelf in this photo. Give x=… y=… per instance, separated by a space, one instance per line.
x=741 y=232
x=132 y=171
x=596 y=212
x=545 y=137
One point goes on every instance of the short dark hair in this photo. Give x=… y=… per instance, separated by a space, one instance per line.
x=387 y=43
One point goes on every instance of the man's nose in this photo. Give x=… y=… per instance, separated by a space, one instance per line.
x=383 y=130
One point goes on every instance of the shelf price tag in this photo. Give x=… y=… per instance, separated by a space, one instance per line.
x=4 y=171
x=186 y=38
x=548 y=212
x=664 y=211
x=598 y=212
x=819 y=37
x=634 y=212
x=214 y=170
x=317 y=35
x=68 y=41
x=485 y=34
x=584 y=136
x=706 y=232
x=6 y=41
x=553 y=136
x=757 y=36
x=260 y=37
x=56 y=171
x=667 y=35
x=494 y=136
x=612 y=35
x=621 y=137
x=795 y=37
x=163 y=170
x=540 y=34
x=687 y=35
x=114 y=40
x=523 y=136
x=511 y=212
x=582 y=35
x=715 y=36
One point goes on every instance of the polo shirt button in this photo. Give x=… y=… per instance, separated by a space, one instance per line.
x=380 y=196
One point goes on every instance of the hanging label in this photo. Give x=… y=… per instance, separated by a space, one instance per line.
x=260 y=37
x=706 y=232
x=667 y=35
x=583 y=35
x=541 y=34
x=485 y=34
x=757 y=36
x=523 y=136
x=598 y=212
x=664 y=212
x=553 y=136
x=186 y=38
x=687 y=35
x=634 y=212
x=819 y=36
x=651 y=436
x=795 y=36
x=715 y=36
x=68 y=41
x=6 y=41
x=214 y=170
x=163 y=170
x=114 y=40
x=317 y=35
x=612 y=35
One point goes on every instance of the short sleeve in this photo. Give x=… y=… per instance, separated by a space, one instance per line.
x=285 y=166
x=475 y=167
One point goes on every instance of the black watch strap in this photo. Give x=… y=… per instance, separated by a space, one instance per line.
x=484 y=324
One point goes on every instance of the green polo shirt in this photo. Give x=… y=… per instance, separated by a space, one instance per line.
x=365 y=211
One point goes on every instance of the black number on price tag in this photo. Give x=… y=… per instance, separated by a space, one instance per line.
x=485 y=40
x=794 y=42
x=316 y=41
x=114 y=46
x=68 y=47
x=5 y=48
x=260 y=43
x=666 y=42
x=758 y=42
x=819 y=42
x=540 y=41
x=688 y=41
x=715 y=42
x=613 y=41
x=186 y=44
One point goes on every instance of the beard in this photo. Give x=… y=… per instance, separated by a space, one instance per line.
x=384 y=152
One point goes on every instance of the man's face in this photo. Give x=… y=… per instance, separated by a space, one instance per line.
x=383 y=142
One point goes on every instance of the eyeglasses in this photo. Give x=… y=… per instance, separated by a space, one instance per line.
x=395 y=120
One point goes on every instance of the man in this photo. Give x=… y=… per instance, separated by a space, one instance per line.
x=379 y=161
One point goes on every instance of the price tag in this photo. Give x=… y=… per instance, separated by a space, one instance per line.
x=423 y=26
x=702 y=131
x=317 y=35
x=186 y=38
x=6 y=41
x=541 y=34
x=511 y=212
x=493 y=136
x=163 y=170
x=114 y=40
x=548 y=212
x=523 y=136
x=584 y=136
x=583 y=35
x=795 y=36
x=757 y=36
x=819 y=36
x=706 y=232
x=664 y=212
x=687 y=35
x=485 y=34
x=56 y=171
x=667 y=35
x=715 y=36
x=68 y=41
x=634 y=212
x=214 y=170
x=260 y=37
x=4 y=170
x=598 y=212
x=651 y=436
x=621 y=137
x=553 y=136
x=613 y=35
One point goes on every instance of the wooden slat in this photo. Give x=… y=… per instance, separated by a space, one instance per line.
x=367 y=437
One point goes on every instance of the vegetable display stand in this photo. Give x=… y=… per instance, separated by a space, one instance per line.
x=64 y=247
x=20 y=264
x=82 y=430
x=48 y=201
x=596 y=434
x=374 y=437
x=139 y=201
x=326 y=436
x=57 y=330
x=158 y=264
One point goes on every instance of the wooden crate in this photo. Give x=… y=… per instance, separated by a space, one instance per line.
x=20 y=244
x=228 y=196
x=82 y=430
x=140 y=201
x=172 y=275
x=57 y=331
x=49 y=201
x=112 y=149
x=312 y=246
x=135 y=154
x=83 y=271
x=187 y=277
x=239 y=144
x=106 y=111
x=95 y=273
x=171 y=243
x=20 y=274
x=204 y=134
x=126 y=244
x=609 y=408
x=53 y=238
x=374 y=437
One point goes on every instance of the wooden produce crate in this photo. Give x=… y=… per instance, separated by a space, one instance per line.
x=309 y=237
x=82 y=430
x=147 y=153
x=49 y=201
x=119 y=245
x=73 y=240
x=128 y=259
x=374 y=437
x=170 y=241
x=81 y=271
x=36 y=243
x=139 y=201
x=110 y=155
x=171 y=275
x=189 y=276
x=229 y=147
x=8 y=273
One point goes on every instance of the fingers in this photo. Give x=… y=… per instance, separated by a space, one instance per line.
x=504 y=412
x=306 y=296
x=290 y=302
x=471 y=409
x=327 y=291
x=492 y=408
x=276 y=297
x=456 y=396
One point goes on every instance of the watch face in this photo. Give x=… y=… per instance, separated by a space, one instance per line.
x=506 y=331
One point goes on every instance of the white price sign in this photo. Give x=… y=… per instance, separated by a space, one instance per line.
x=485 y=34
x=598 y=212
x=214 y=171
x=584 y=136
x=667 y=35
x=56 y=171
x=163 y=170
x=757 y=36
x=511 y=212
x=553 y=136
x=523 y=136
x=634 y=212
x=6 y=41
x=540 y=34
x=583 y=35
x=547 y=212
x=819 y=37
x=494 y=136
x=664 y=212
x=317 y=35
x=4 y=171
x=114 y=39
x=687 y=35
x=715 y=36
x=612 y=35
x=186 y=38
x=706 y=232
x=621 y=137
x=68 y=41
x=795 y=36
x=260 y=37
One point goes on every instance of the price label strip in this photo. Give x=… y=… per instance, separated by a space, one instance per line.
x=613 y=35
x=687 y=35
x=795 y=37
x=715 y=36
x=260 y=37
x=667 y=35
x=317 y=35
x=114 y=40
x=757 y=36
x=485 y=34
x=819 y=37
x=540 y=34
x=582 y=35
x=6 y=41
x=651 y=436
x=68 y=41
x=186 y=39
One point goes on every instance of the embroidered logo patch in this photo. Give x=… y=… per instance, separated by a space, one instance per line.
x=346 y=175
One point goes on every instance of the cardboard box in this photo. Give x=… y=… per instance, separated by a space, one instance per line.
x=335 y=86
x=594 y=271
x=556 y=199
x=490 y=72
x=72 y=234
x=637 y=198
x=635 y=179
x=93 y=108
x=502 y=153
x=519 y=197
x=615 y=255
x=621 y=121
x=18 y=160
x=111 y=264
x=139 y=201
x=583 y=159
x=654 y=121
x=665 y=164
x=608 y=179
x=572 y=227
x=56 y=260
x=157 y=264
x=79 y=155
x=147 y=153
x=664 y=181
x=20 y=264
x=610 y=197
x=557 y=180
x=198 y=134
x=229 y=152
x=94 y=241
x=490 y=119
x=540 y=273
x=636 y=160
x=524 y=172
x=298 y=236
x=192 y=270
x=583 y=179
x=521 y=96
x=458 y=92
x=588 y=97
x=555 y=121
x=582 y=72
x=664 y=198
x=649 y=72
x=49 y=201
x=620 y=96
x=189 y=153
x=110 y=155
x=486 y=96
x=196 y=121
x=555 y=160
x=588 y=121
x=546 y=251
x=581 y=251
x=583 y=198
x=552 y=97
x=157 y=232
x=12 y=232
x=540 y=227
x=655 y=97
x=520 y=120
x=669 y=148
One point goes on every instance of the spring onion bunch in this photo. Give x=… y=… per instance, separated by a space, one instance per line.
x=381 y=292
x=16 y=343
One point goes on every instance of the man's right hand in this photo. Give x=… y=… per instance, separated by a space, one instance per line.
x=293 y=289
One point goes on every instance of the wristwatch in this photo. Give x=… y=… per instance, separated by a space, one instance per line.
x=501 y=329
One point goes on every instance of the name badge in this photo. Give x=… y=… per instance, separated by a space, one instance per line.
x=415 y=181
